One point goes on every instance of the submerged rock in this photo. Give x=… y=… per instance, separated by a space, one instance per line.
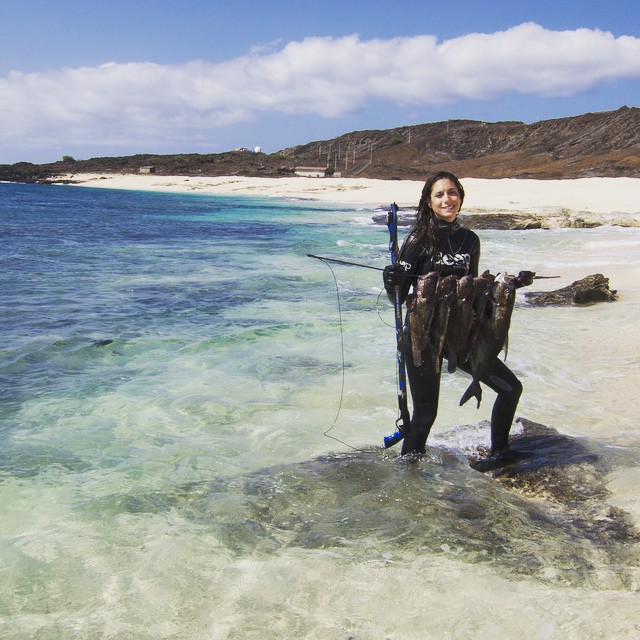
x=553 y=466
x=593 y=288
x=544 y=518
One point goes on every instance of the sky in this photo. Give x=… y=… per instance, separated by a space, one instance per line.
x=89 y=79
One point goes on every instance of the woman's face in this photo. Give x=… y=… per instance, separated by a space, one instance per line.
x=445 y=200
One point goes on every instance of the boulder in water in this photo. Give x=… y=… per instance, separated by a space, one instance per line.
x=593 y=288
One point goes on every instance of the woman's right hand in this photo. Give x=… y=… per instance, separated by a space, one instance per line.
x=393 y=276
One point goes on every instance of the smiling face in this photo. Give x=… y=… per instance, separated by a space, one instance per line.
x=445 y=200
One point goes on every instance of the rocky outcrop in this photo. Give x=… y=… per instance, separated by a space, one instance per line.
x=516 y=221
x=593 y=288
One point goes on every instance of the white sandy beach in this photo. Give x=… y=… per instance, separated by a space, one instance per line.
x=603 y=199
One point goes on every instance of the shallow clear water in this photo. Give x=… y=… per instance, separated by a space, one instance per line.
x=170 y=366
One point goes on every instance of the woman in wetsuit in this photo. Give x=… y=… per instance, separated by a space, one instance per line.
x=437 y=242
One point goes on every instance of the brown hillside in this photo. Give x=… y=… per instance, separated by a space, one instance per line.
x=605 y=144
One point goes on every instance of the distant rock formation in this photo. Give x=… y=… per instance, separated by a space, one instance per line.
x=604 y=144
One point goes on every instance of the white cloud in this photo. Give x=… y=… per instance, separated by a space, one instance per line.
x=328 y=77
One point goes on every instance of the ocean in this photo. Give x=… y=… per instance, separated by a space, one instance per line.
x=191 y=419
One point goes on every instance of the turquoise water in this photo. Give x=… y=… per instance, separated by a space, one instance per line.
x=170 y=365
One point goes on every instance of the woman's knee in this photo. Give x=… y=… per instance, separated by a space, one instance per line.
x=516 y=389
x=506 y=386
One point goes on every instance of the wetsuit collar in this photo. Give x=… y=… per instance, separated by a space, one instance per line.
x=447 y=227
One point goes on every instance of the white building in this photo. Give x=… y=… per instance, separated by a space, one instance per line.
x=311 y=172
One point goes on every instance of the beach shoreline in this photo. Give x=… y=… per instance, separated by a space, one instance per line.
x=554 y=203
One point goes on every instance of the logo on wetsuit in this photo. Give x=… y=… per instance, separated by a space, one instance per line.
x=457 y=261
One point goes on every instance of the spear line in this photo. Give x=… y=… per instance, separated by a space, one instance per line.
x=352 y=264
x=368 y=266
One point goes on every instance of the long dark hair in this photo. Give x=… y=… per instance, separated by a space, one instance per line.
x=425 y=228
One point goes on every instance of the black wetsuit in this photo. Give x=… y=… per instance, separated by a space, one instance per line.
x=460 y=256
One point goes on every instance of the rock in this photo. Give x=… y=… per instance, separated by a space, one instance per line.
x=475 y=220
x=405 y=218
x=519 y=221
x=502 y=221
x=593 y=288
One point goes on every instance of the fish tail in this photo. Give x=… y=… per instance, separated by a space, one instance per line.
x=474 y=389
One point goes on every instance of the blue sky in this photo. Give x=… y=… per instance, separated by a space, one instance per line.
x=89 y=79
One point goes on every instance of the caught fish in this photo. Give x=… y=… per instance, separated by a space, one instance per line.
x=481 y=292
x=461 y=319
x=492 y=333
x=421 y=305
x=445 y=295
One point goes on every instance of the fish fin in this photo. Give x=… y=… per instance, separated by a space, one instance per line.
x=505 y=347
x=466 y=395
x=474 y=389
